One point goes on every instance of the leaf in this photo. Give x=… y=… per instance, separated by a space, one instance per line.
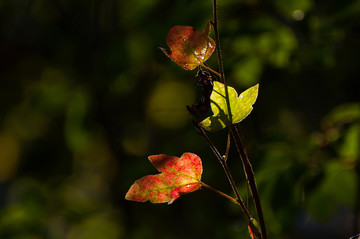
x=254 y=229
x=240 y=106
x=189 y=48
x=178 y=176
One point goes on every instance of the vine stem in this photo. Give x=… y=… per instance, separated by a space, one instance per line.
x=249 y=173
x=217 y=42
x=226 y=169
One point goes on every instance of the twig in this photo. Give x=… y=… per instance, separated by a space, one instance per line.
x=249 y=173
x=226 y=169
x=240 y=147
x=227 y=146
x=217 y=42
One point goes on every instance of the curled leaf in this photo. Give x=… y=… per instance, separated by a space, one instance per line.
x=225 y=114
x=202 y=107
x=189 y=48
x=178 y=176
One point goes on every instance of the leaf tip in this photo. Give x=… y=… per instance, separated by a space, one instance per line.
x=207 y=29
x=134 y=193
x=171 y=201
x=256 y=87
x=167 y=52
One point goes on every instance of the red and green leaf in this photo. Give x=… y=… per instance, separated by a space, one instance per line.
x=178 y=176
x=189 y=48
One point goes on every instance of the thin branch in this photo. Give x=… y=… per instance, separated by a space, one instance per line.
x=217 y=42
x=249 y=173
x=226 y=169
x=240 y=147
x=212 y=146
x=219 y=56
x=227 y=146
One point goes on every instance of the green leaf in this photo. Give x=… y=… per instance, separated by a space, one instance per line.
x=226 y=114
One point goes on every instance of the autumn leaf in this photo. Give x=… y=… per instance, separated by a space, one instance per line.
x=189 y=48
x=178 y=176
x=254 y=229
x=224 y=113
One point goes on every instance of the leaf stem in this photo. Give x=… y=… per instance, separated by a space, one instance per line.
x=208 y=68
x=220 y=192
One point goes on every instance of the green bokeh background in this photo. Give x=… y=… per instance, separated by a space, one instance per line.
x=86 y=96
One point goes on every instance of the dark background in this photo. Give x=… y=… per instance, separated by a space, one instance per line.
x=86 y=96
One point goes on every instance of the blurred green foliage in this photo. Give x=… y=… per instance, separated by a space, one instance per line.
x=86 y=96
